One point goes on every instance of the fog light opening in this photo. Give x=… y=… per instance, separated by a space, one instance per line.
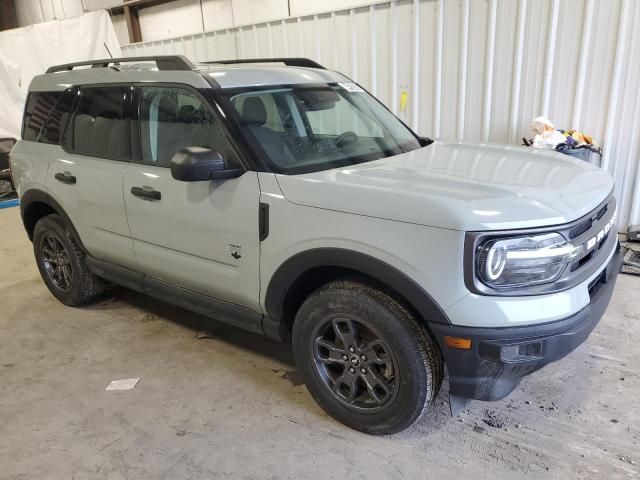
x=524 y=351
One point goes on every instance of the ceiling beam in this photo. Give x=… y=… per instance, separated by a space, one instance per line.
x=137 y=4
x=133 y=24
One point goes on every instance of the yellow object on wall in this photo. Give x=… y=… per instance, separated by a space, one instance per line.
x=404 y=96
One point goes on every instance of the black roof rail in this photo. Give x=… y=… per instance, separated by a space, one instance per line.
x=163 y=62
x=290 y=62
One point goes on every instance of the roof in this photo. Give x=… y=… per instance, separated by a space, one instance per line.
x=245 y=75
x=178 y=69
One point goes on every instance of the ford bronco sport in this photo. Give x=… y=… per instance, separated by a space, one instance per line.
x=281 y=197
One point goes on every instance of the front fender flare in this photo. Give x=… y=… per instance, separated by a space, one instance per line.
x=287 y=274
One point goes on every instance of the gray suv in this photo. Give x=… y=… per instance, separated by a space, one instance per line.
x=281 y=197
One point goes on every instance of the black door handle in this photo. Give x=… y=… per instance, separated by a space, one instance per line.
x=144 y=193
x=65 y=178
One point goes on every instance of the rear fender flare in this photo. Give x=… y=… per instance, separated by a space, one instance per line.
x=33 y=196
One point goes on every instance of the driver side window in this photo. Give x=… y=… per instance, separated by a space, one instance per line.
x=172 y=118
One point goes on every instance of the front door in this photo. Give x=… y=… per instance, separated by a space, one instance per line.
x=202 y=236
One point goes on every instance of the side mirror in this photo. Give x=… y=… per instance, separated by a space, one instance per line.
x=197 y=164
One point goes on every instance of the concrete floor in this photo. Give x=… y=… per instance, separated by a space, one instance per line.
x=216 y=402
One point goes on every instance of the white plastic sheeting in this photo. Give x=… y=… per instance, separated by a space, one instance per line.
x=26 y=52
x=477 y=70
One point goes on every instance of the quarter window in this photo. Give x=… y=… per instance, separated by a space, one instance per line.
x=39 y=104
x=100 y=127
x=173 y=118
x=57 y=119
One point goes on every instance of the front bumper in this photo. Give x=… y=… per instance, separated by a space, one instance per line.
x=500 y=357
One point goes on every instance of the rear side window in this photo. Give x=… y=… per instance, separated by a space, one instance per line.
x=100 y=127
x=39 y=105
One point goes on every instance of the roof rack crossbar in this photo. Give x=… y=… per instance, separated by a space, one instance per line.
x=290 y=62
x=163 y=62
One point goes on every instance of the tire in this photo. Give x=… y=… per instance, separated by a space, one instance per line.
x=61 y=263
x=398 y=366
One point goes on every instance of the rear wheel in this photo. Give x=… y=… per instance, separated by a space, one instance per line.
x=61 y=263
x=364 y=357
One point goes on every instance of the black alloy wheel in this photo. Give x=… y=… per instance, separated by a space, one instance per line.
x=355 y=363
x=365 y=357
x=56 y=262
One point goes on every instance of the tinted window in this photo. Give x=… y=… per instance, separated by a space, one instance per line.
x=39 y=104
x=54 y=126
x=174 y=118
x=100 y=127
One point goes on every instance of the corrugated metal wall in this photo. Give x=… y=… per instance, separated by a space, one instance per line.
x=477 y=70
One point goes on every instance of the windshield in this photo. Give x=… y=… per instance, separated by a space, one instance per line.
x=303 y=128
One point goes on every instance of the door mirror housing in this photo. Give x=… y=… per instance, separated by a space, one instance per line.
x=198 y=164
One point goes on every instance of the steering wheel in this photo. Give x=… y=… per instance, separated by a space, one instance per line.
x=346 y=138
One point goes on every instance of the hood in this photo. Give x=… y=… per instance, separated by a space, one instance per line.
x=459 y=186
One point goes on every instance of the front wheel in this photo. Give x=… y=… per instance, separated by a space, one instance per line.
x=364 y=357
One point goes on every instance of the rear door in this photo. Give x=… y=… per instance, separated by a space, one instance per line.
x=202 y=236
x=86 y=173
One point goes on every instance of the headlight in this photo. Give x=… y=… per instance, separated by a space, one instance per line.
x=527 y=260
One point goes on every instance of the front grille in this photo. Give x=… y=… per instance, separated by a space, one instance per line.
x=586 y=224
x=601 y=212
x=580 y=228
x=588 y=229
x=590 y=255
